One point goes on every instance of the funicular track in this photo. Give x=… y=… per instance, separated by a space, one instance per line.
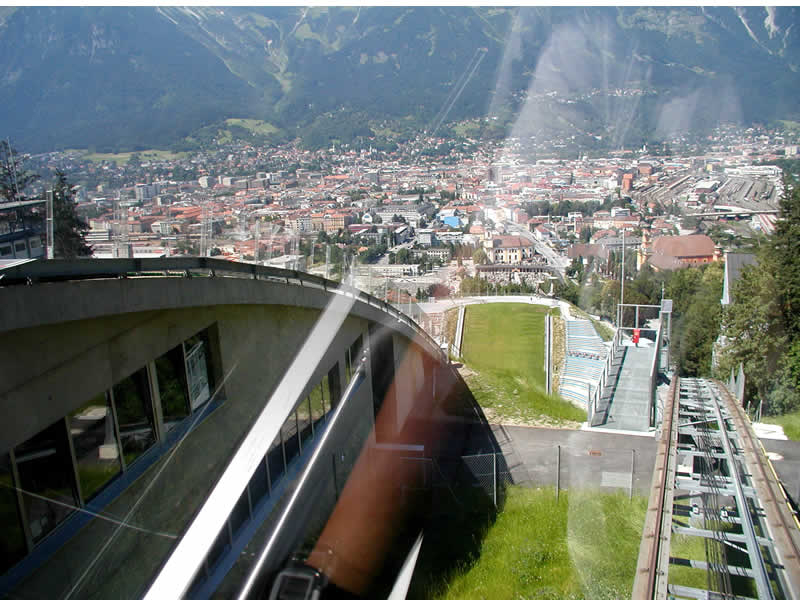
x=713 y=482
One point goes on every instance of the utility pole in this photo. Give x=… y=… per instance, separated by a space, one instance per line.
x=622 y=283
x=50 y=241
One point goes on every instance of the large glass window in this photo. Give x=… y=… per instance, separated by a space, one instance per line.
x=95 y=443
x=45 y=471
x=318 y=405
x=304 y=420
x=291 y=441
x=240 y=513
x=352 y=357
x=134 y=415
x=12 y=541
x=259 y=485
x=172 y=388
x=276 y=459
x=198 y=369
x=332 y=385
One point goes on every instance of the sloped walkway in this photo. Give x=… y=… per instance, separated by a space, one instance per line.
x=626 y=400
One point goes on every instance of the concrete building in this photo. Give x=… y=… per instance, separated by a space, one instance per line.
x=508 y=249
x=153 y=426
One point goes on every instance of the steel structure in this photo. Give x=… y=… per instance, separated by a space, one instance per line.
x=712 y=481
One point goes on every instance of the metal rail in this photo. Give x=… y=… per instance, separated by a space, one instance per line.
x=782 y=521
x=647 y=571
x=44 y=271
x=721 y=460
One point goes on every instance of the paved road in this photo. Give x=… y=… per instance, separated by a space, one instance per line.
x=553 y=257
x=601 y=459
x=785 y=457
x=588 y=458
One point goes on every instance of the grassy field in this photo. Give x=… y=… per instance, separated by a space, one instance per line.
x=254 y=125
x=504 y=346
x=584 y=546
x=790 y=423
x=123 y=157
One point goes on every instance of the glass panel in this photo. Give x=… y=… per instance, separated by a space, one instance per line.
x=348 y=365
x=12 y=542
x=291 y=441
x=172 y=387
x=219 y=547
x=331 y=385
x=240 y=513
x=45 y=469
x=258 y=484
x=304 y=419
x=134 y=415
x=95 y=443
x=275 y=460
x=198 y=369
x=317 y=404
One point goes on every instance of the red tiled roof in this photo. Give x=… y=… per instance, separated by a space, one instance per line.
x=684 y=246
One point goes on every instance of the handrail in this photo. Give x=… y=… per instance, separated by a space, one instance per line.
x=52 y=270
x=654 y=373
x=597 y=395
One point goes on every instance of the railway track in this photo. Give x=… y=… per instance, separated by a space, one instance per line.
x=718 y=523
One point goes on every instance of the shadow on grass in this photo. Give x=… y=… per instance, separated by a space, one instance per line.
x=454 y=534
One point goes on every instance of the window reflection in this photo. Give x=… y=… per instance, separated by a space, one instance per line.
x=95 y=443
x=275 y=459
x=198 y=369
x=291 y=441
x=45 y=473
x=304 y=420
x=317 y=399
x=172 y=388
x=12 y=541
x=134 y=415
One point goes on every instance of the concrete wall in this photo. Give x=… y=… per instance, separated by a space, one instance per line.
x=63 y=343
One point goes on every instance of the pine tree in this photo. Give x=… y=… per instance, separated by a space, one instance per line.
x=69 y=229
x=13 y=178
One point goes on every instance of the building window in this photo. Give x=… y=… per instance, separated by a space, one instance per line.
x=134 y=415
x=46 y=478
x=291 y=440
x=304 y=421
x=12 y=542
x=198 y=369
x=95 y=442
x=318 y=404
x=172 y=387
x=5 y=250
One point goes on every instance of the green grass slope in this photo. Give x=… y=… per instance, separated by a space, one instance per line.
x=504 y=346
x=584 y=546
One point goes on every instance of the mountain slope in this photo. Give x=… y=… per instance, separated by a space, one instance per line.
x=124 y=77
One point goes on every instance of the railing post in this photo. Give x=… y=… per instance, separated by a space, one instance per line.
x=494 y=478
x=558 y=471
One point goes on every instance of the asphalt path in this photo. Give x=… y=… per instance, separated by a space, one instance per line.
x=587 y=458
x=785 y=458
x=600 y=459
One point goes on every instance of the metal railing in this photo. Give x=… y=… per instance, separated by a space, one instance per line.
x=41 y=271
x=597 y=394
x=654 y=368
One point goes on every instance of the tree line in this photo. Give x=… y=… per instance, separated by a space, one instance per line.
x=761 y=327
x=69 y=229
